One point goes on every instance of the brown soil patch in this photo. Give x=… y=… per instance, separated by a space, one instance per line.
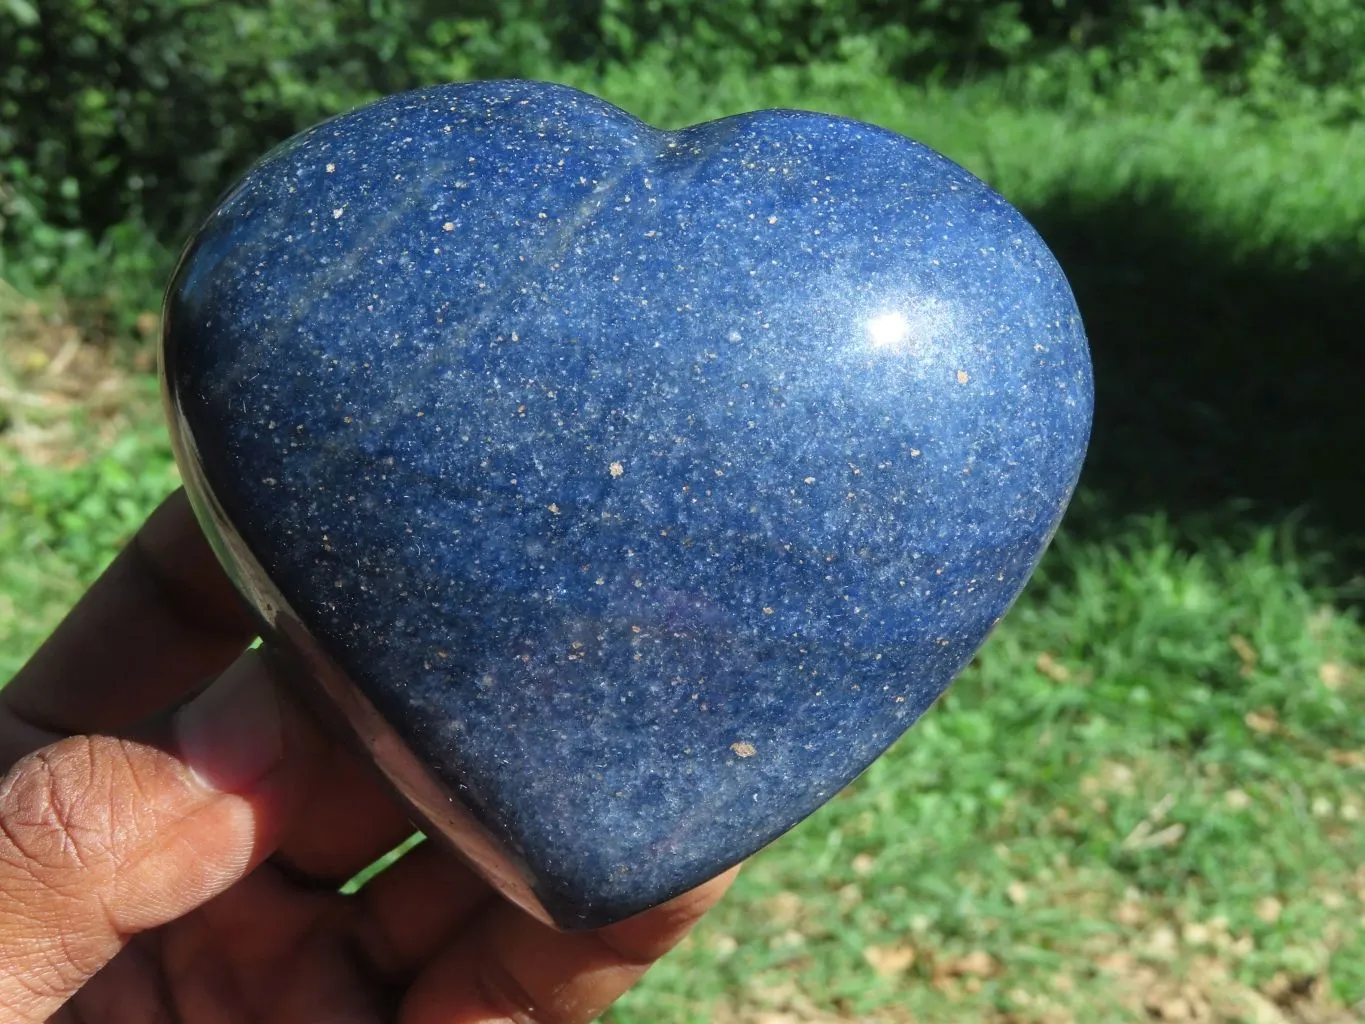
x=62 y=393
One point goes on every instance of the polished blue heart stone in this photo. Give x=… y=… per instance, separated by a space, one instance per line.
x=643 y=486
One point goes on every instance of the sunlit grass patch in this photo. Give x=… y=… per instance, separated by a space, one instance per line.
x=83 y=460
x=1145 y=797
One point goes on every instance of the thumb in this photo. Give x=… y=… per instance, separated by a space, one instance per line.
x=102 y=838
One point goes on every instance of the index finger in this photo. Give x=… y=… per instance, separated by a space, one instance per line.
x=162 y=618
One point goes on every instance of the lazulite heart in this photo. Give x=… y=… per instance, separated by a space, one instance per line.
x=630 y=491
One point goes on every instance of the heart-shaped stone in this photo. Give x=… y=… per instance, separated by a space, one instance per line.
x=630 y=491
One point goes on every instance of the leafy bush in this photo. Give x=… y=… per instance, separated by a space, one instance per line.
x=114 y=111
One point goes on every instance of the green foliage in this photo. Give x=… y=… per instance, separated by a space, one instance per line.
x=124 y=111
x=104 y=282
x=61 y=524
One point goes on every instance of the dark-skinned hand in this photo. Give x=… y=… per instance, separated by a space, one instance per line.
x=172 y=851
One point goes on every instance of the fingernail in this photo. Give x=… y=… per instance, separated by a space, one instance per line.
x=230 y=735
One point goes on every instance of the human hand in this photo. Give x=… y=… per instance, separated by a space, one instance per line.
x=160 y=865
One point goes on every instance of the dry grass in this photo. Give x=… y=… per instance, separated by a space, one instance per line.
x=65 y=391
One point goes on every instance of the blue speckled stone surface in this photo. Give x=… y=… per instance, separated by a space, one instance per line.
x=649 y=483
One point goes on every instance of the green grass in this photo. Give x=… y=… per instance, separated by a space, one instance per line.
x=1146 y=796
x=76 y=479
x=1288 y=184
x=1152 y=747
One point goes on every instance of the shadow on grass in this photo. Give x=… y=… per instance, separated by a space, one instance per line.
x=1220 y=381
